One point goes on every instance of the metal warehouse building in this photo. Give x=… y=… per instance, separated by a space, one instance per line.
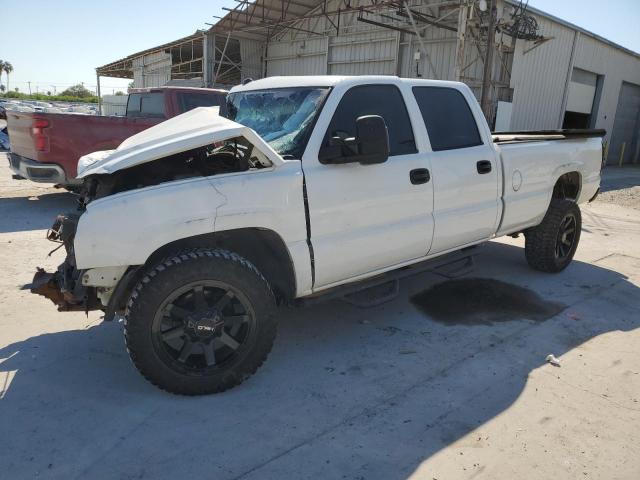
x=534 y=72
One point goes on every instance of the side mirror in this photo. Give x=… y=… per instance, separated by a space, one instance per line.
x=372 y=137
x=369 y=146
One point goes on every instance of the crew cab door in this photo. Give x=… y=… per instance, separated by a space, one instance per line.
x=364 y=218
x=464 y=167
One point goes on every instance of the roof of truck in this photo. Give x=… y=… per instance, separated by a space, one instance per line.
x=178 y=88
x=333 y=80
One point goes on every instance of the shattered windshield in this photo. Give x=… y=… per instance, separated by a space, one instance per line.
x=282 y=116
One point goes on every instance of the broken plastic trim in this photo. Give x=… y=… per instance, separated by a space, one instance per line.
x=48 y=285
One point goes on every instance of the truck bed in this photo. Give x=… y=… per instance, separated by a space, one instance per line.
x=532 y=162
x=69 y=136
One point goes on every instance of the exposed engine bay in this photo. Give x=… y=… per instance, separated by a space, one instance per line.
x=65 y=287
x=230 y=156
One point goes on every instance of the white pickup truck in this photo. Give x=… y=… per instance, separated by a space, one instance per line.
x=196 y=228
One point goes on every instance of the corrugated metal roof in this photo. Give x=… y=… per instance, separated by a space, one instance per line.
x=264 y=17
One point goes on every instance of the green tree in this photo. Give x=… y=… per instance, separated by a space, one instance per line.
x=7 y=68
x=78 y=90
x=120 y=93
x=2 y=88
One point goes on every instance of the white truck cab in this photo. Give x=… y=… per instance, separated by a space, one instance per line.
x=194 y=229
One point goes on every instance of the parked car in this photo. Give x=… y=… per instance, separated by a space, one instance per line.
x=197 y=228
x=45 y=147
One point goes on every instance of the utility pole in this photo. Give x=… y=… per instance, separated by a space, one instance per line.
x=29 y=82
x=485 y=98
x=463 y=14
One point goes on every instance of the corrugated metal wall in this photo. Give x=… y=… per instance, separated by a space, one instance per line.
x=251 y=53
x=152 y=70
x=360 y=49
x=292 y=57
x=615 y=66
x=364 y=53
x=539 y=77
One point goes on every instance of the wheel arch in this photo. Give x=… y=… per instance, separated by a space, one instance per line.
x=262 y=247
x=568 y=186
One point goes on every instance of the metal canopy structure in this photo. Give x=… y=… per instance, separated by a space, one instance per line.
x=186 y=58
x=262 y=19
x=479 y=60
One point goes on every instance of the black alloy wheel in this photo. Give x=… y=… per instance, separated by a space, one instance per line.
x=201 y=326
x=566 y=237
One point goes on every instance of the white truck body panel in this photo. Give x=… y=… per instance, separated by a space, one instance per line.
x=364 y=219
x=126 y=228
x=530 y=171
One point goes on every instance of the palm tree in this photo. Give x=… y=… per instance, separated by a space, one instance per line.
x=1 y=69
x=8 y=68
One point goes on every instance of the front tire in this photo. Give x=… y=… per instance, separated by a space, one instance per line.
x=200 y=322
x=550 y=246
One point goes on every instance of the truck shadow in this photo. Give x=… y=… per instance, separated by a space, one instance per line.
x=20 y=214
x=346 y=392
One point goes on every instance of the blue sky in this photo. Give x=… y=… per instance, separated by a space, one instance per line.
x=60 y=43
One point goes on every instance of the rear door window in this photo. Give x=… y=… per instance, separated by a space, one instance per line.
x=152 y=105
x=189 y=101
x=383 y=100
x=147 y=105
x=448 y=118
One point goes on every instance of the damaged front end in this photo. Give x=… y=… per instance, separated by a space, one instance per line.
x=64 y=287
x=199 y=144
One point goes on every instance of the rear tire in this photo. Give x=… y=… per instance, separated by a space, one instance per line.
x=550 y=246
x=200 y=322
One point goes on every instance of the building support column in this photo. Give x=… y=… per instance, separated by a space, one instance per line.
x=567 y=81
x=486 y=101
x=99 y=96
x=463 y=14
x=205 y=60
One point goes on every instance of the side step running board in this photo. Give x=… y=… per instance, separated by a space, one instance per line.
x=386 y=286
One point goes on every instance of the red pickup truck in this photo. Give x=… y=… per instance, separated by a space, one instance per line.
x=45 y=147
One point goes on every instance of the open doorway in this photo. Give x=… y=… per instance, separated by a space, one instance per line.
x=582 y=100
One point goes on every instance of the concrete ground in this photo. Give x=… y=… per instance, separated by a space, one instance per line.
x=390 y=392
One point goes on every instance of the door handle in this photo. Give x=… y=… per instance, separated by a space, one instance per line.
x=483 y=166
x=419 y=175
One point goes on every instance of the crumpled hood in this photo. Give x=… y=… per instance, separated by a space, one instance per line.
x=195 y=128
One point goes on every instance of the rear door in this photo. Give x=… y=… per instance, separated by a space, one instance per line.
x=464 y=169
x=365 y=218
